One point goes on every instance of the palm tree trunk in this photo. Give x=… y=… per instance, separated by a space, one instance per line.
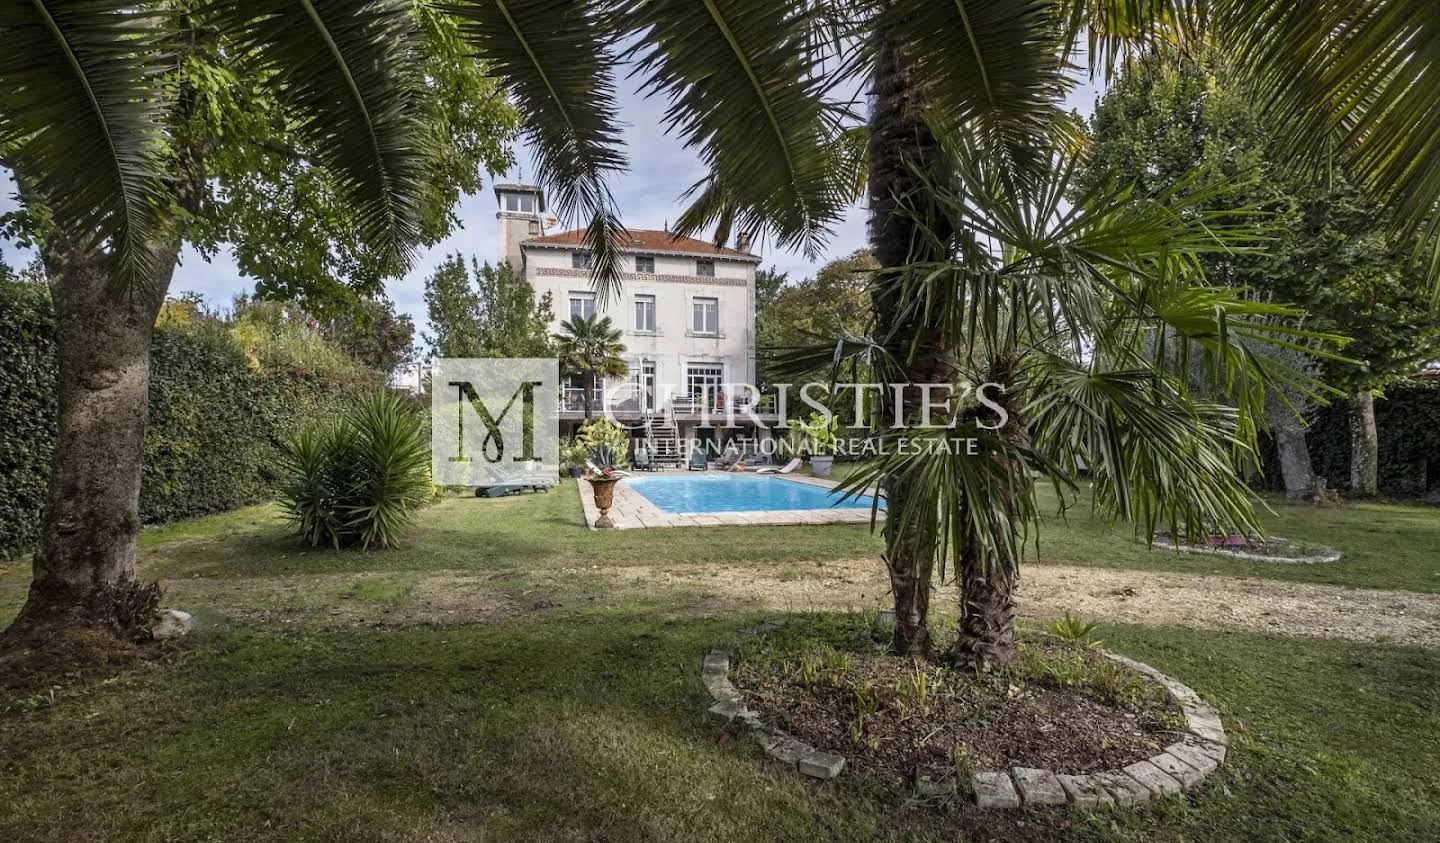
x=1364 y=445
x=987 y=607
x=987 y=634
x=589 y=396
x=899 y=138
x=84 y=570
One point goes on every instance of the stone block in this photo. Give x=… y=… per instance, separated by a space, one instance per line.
x=716 y=662
x=994 y=790
x=1178 y=770
x=1190 y=754
x=822 y=765
x=1154 y=779
x=785 y=749
x=728 y=710
x=1039 y=787
x=720 y=688
x=1085 y=791
x=1125 y=790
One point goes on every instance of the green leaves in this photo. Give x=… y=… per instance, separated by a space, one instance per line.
x=745 y=91
x=351 y=71
x=591 y=345
x=1356 y=79
x=358 y=480
x=81 y=102
x=554 y=58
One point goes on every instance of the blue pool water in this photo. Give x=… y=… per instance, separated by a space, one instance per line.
x=698 y=494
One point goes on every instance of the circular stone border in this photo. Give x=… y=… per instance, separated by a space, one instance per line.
x=1181 y=766
x=1330 y=554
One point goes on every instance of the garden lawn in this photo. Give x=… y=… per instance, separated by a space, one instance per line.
x=570 y=714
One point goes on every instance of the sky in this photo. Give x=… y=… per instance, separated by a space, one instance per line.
x=661 y=169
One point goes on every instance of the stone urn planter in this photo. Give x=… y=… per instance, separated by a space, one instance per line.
x=820 y=464
x=604 y=490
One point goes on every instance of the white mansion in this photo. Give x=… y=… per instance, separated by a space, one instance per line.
x=686 y=307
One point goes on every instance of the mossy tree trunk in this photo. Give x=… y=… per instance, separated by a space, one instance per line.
x=1364 y=445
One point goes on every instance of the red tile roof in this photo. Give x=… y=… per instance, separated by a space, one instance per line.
x=644 y=240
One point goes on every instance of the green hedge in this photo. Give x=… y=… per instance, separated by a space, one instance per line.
x=215 y=425
x=1407 y=419
x=27 y=412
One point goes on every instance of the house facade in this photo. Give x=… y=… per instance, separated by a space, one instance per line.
x=686 y=309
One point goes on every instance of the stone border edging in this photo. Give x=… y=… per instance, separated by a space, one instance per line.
x=1331 y=554
x=1181 y=766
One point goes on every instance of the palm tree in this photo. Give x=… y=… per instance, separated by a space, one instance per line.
x=763 y=91
x=590 y=346
x=98 y=122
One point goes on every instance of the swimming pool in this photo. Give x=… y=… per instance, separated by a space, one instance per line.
x=699 y=494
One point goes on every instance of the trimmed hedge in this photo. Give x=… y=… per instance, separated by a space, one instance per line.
x=27 y=412
x=1407 y=419
x=215 y=428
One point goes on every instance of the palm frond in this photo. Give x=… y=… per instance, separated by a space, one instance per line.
x=1114 y=29
x=351 y=71
x=745 y=91
x=993 y=68
x=1354 y=81
x=941 y=485
x=1156 y=456
x=81 y=103
x=554 y=59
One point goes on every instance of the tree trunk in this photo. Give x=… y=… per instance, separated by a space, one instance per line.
x=84 y=571
x=987 y=607
x=987 y=635
x=899 y=138
x=587 y=396
x=1301 y=484
x=1364 y=445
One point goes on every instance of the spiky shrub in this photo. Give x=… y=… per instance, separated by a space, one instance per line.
x=359 y=480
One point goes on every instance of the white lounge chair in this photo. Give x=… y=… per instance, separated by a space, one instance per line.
x=785 y=469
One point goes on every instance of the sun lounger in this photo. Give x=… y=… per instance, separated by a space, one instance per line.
x=785 y=469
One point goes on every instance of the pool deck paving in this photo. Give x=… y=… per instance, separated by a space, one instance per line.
x=632 y=511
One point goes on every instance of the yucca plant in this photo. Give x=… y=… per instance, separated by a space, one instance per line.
x=358 y=481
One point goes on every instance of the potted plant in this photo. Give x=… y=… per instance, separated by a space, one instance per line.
x=817 y=436
x=606 y=444
x=602 y=484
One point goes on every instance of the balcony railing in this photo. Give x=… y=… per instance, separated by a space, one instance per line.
x=628 y=401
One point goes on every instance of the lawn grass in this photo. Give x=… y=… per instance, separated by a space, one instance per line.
x=590 y=724
x=1386 y=545
x=586 y=721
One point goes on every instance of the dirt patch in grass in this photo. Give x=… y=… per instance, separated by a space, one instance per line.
x=1057 y=706
x=69 y=656
x=1151 y=598
x=348 y=601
